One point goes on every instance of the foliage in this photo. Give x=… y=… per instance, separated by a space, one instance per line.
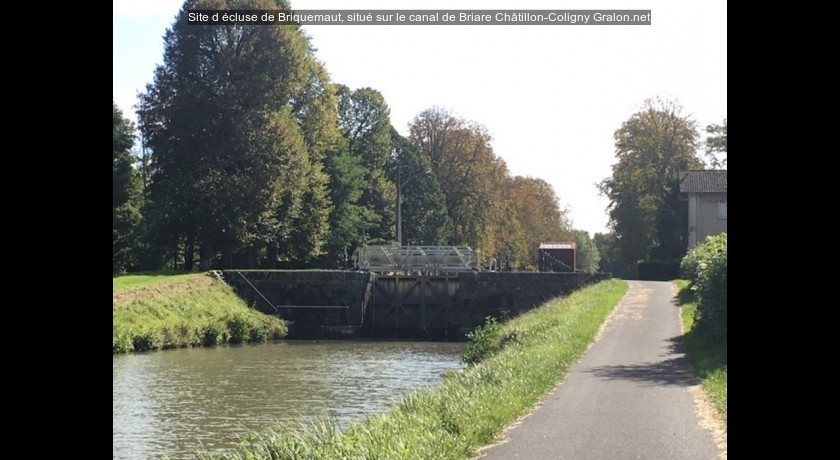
x=472 y=406
x=466 y=168
x=349 y=220
x=488 y=208
x=483 y=341
x=364 y=118
x=363 y=197
x=708 y=357
x=238 y=119
x=716 y=152
x=587 y=257
x=252 y=157
x=706 y=266
x=539 y=216
x=608 y=250
x=424 y=217
x=646 y=215
x=711 y=317
x=690 y=265
x=126 y=196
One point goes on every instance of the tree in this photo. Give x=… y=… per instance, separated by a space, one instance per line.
x=502 y=217
x=539 y=216
x=349 y=221
x=716 y=145
x=238 y=120
x=587 y=257
x=126 y=195
x=653 y=146
x=607 y=250
x=424 y=217
x=472 y=177
x=364 y=118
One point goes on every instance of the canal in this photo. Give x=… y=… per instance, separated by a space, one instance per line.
x=178 y=401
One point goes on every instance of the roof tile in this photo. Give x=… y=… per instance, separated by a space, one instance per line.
x=704 y=181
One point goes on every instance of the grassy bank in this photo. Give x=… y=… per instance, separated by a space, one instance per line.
x=145 y=278
x=522 y=361
x=708 y=359
x=159 y=311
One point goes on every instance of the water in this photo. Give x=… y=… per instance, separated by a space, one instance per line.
x=179 y=401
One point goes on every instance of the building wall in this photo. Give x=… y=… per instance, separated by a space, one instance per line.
x=706 y=216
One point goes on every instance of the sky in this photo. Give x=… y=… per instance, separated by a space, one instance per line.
x=551 y=96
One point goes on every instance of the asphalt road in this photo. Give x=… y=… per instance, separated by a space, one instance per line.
x=627 y=398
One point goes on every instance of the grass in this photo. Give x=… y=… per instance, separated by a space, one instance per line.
x=708 y=359
x=144 y=278
x=153 y=312
x=471 y=406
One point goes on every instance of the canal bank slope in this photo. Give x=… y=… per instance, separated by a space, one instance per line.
x=519 y=363
x=153 y=312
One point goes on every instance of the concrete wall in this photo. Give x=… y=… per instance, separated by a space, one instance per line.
x=298 y=293
x=417 y=307
x=703 y=217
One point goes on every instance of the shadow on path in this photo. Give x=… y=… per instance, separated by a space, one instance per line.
x=676 y=344
x=674 y=371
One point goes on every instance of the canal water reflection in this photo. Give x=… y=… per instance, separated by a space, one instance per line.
x=179 y=401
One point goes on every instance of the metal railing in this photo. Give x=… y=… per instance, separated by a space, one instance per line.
x=416 y=259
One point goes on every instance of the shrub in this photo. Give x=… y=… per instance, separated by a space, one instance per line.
x=170 y=338
x=149 y=339
x=122 y=341
x=707 y=266
x=690 y=263
x=213 y=333
x=259 y=331
x=483 y=341
x=265 y=328
x=239 y=328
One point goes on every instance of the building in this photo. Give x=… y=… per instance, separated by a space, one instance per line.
x=706 y=190
x=557 y=257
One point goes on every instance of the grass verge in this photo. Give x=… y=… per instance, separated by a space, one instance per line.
x=185 y=311
x=708 y=358
x=144 y=278
x=470 y=407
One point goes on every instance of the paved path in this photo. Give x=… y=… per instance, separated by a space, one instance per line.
x=627 y=398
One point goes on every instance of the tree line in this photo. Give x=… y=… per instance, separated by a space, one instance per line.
x=249 y=156
x=648 y=217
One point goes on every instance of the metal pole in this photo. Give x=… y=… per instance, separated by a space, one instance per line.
x=399 y=204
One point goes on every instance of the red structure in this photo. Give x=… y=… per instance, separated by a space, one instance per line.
x=557 y=257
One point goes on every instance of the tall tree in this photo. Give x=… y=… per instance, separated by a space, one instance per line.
x=716 y=145
x=539 y=215
x=234 y=120
x=424 y=217
x=587 y=257
x=606 y=244
x=365 y=122
x=502 y=217
x=472 y=177
x=349 y=220
x=126 y=195
x=653 y=146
